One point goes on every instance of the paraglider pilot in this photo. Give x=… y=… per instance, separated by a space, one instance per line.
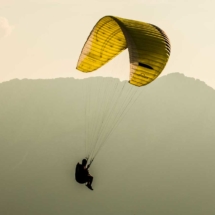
x=82 y=174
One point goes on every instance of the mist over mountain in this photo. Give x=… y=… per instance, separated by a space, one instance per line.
x=158 y=161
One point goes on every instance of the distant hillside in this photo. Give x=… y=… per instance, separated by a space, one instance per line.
x=158 y=161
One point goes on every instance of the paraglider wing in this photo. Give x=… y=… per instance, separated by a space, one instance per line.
x=106 y=105
x=148 y=46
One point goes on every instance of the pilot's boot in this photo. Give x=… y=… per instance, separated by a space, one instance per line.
x=89 y=186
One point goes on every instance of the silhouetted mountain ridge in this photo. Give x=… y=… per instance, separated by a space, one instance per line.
x=159 y=160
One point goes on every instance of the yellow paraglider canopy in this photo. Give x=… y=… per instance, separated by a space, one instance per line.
x=148 y=46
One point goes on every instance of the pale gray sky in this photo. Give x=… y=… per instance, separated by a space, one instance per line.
x=43 y=38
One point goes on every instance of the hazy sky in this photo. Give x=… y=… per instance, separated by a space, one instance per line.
x=43 y=38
